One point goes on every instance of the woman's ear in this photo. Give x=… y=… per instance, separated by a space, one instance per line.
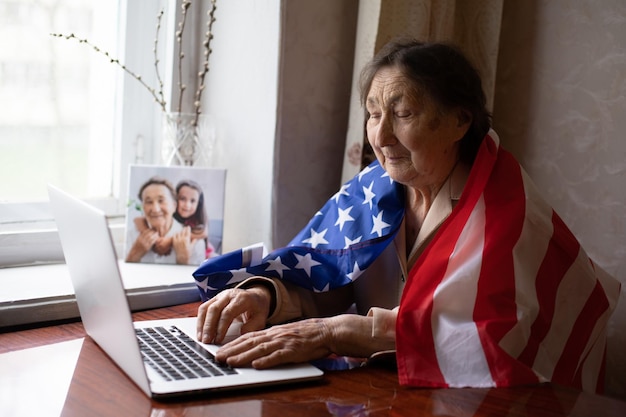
x=463 y=123
x=464 y=118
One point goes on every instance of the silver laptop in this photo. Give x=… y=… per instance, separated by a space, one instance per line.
x=134 y=346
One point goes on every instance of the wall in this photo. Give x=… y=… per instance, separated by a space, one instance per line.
x=243 y=76
x=282 y=72
x=560 y=107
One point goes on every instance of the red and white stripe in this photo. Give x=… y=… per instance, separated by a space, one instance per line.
x=504 y=294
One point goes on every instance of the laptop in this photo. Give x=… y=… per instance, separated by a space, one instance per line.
x=133 y=346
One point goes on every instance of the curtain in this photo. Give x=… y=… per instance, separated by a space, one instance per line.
x=314 y=70
x=473 y=25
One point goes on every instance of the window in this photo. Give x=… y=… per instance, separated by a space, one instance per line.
x=247 y=32
x=61 y=112
x=69 y=117
x=56 y=122
x=58 y=104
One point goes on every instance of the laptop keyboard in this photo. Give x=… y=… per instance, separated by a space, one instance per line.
x=176 y=356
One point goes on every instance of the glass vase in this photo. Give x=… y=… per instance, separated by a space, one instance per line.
x=187 y=139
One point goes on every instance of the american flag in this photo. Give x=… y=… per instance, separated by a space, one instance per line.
x=504 y=294
x=337 y=245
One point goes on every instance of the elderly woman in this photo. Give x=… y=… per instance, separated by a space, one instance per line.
x=159 y=202
x=483 y=284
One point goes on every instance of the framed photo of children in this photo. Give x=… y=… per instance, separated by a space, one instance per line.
x=175 y=215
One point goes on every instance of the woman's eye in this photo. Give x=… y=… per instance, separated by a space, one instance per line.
x=402 y=114
x=374 y=115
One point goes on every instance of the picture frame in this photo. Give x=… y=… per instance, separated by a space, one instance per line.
x=168 y=205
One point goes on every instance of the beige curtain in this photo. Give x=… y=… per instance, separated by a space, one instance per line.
x=314 y=71
x=473 y=25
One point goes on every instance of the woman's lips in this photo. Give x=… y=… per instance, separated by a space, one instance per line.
x=394 y=158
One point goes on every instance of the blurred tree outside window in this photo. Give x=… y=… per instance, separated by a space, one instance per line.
x=57 y=98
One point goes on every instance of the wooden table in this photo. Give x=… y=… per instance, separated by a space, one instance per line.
x=96 y=387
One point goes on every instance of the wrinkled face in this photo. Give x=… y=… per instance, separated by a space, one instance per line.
x=158 y=205
x=413 y=141
x=187 y=201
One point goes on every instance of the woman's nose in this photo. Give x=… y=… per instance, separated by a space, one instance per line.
x=385 y=135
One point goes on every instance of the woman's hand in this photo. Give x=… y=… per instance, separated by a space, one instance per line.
x=251 y=306
x=288 y=343
x=306 y=340
x=163 y=246
x=182 y=243
x=142 y=245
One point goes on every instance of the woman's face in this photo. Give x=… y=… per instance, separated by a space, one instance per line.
x=187 y=201
x=158 y=205
x=414 y=142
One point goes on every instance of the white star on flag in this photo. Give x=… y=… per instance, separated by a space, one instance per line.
x=365 y=171
x=316 y=238
x=350 y=242
x=305 y=262
x=238 y=276
x=369 y=195
x=343 y=216
x=379 y=224
x=277 y=265
x=356 y=271
x=204 y=284
x=341 y=192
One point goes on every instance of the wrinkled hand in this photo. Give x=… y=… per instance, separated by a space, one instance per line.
x=162 y=246
x=146 y=239
x=142 y=245
x=288 y=343
x=183 y=245
x=251 y=306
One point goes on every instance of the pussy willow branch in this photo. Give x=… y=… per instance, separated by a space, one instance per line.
x=159 y=96
x=181 y=55
x=156 y=58
x=117 y=62
x=208 y=37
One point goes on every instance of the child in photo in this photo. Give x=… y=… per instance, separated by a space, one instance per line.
x=190 y=212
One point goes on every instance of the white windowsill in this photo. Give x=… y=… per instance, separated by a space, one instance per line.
x=36 y=294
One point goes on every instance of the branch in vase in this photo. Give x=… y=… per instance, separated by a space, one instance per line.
x=208 y=37
x=181 y=55
x=160 y=101
x=159 y=96
x=156 y=59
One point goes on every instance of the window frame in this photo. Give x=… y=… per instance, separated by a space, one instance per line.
x=27 y=230
x=30 y=250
